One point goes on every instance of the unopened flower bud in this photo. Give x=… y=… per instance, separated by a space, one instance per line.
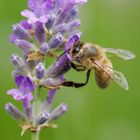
x=40 y=32
x=44 y=48
x=58 y=112
x=72 y=14
x=24 y=45
x=42 y=118
x=74 y=24
x=17 y=61
x=40 y=71
x=14 y=112
x=55 y=41
x=62 y=28
x=21 y=32
x=50 y=21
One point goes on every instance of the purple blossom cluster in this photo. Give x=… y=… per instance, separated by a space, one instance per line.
x=50 y=26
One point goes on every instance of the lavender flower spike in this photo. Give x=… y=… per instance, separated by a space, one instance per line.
x=51 y=26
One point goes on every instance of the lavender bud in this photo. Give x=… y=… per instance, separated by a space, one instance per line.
x=17 y=61
x=72 y=14
x=40 y=71
x=50 y=21
x=40 y=32
x=62 y=28
x=44 y=48
x=27 y=107
x=50 y=98
x=24 y=45
x=61 y=66
x=55 y=41
x=74 y=24
x=62 y=15
x=58 y=112
x=14 y=112
x=21 y=32
x=43 y=118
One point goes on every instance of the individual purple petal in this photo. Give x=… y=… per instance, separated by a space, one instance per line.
x=30 y=15
x=43 y=19
x=24 y=83
x=16 y=93
x=19 y=95
x=26 y=25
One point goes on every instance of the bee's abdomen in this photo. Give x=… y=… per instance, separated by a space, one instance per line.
x=102 y=79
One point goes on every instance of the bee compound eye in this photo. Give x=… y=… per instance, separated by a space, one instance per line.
x=76 y=50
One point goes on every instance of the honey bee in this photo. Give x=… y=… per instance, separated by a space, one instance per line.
x=89 y=56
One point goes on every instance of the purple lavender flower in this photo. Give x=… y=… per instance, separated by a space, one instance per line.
x=51 y=25
x=50 y=22
x=25 y=86
x=40 y=10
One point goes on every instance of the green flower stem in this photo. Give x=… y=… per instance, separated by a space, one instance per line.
x=36 y=107
x=35 y=135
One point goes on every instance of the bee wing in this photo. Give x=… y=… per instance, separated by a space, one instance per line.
x=124 y=54
x=120 y=79
x=116 y=76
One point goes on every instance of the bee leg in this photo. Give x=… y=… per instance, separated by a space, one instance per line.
x=75 y=84
x=77 y=67
x=51 y=87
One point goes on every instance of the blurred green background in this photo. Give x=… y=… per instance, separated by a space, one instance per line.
x=94 y=114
